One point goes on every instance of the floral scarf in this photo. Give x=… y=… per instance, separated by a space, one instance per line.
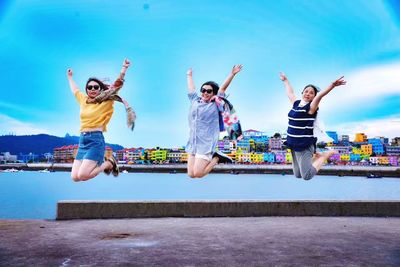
x=228 y=119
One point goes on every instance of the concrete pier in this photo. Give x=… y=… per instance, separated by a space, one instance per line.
x=146 y=209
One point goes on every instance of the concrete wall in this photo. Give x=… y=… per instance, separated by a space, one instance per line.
x=144 y=209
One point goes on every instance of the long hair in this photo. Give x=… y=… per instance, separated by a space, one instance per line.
x=214 y=86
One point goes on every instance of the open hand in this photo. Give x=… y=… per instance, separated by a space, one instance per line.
x=282 y=76
x=126 y=63
x=237 y=68
x=339 y=82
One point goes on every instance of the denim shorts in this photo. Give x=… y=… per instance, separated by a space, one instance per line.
x=91 y=146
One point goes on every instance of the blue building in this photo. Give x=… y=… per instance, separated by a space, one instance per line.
x=269 y=157
x=355 y=157
x=377 y=146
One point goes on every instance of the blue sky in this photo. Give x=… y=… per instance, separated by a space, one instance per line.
x=311 y=41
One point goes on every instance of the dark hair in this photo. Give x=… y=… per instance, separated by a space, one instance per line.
x=316 y=88
x=214 y=86
x=103 y=86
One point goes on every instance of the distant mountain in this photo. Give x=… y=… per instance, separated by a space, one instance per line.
x=39 y=144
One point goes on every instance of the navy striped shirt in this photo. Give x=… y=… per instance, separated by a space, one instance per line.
x=300 y=132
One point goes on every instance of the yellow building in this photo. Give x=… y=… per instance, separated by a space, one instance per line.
x=366 y=149
x=345 y=157
x=184 y=157
x=288 y=156
x=158 y=155
x=357 y=151
x=360 y=137
x=383 y=160
x=256 y=158
x=244 y=157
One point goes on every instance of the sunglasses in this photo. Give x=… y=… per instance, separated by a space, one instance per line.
x=93 y=87
x=208 y=91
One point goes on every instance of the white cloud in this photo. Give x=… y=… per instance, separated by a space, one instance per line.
x=388 y=127
x=10 y=125
x=366 y=84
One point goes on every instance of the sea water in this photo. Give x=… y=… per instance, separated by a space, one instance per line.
x=34 y=195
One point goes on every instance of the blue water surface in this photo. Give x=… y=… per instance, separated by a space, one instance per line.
x=33 y=195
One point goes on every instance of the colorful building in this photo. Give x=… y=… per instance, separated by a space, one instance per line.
x=393 y=161
x=275 y=143
x=377 y=146
x=65 y=154
x=280 y=156
x=159 y=155
x=175 y=155
x=383 y=160
x=334 y=158
x=366 y=149
x=345 y=157
x=288 y=157
x=243 y=145
x=355 y=157
x=373 y=160
x=360 y=137
x=257 y=136
x=392 y=150
x=269 y=157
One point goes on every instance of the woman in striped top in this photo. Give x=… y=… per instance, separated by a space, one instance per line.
x=300 y=133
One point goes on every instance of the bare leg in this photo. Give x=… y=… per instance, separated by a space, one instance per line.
x=203 y=167
x=190 y=166
x=75 y=169
x=89 y=169
x=320 y=158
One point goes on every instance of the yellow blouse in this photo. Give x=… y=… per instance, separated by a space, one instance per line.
x=94 y=115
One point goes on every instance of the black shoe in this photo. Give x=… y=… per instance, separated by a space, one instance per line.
x=222 y=158
x=107 y=171
x=115 y=168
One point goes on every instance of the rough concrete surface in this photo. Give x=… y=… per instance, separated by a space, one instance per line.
x=250 y=241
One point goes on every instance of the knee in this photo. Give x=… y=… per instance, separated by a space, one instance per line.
x=83 y=177
x=75 y=177
x=198 y=174
x=191 y=175
x=309 y=174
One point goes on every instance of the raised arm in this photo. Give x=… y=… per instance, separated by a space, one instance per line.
x=72 y=84
x=314 y=104
x=235 y=70
x=190 y=83
x=288 y=86
x=119 y=82
x=125 y=65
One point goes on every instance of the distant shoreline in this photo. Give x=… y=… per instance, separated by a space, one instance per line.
x=383 y=171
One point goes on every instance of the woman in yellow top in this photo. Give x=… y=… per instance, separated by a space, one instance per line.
x=94 y=117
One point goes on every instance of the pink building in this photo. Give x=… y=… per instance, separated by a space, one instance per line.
x=393 y=161
x=280 y=157
x=335 y=158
